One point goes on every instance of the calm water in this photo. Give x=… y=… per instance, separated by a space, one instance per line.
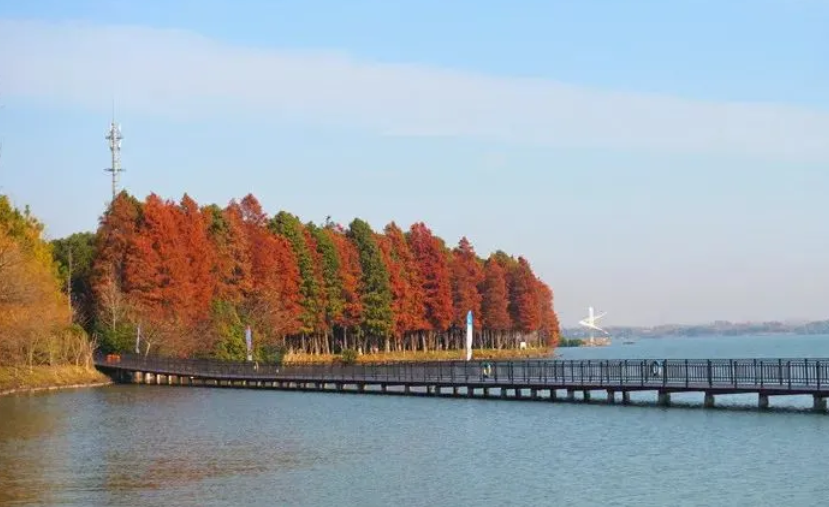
x=144 y=445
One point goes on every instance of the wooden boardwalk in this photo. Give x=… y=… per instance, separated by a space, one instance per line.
x=524 y=379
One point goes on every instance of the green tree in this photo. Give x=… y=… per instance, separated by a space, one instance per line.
x=75 y=255
x=330 y=269
x=229 y=332
x=311 y=290
x=377 y=296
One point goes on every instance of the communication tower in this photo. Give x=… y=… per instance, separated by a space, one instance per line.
x=114 y=137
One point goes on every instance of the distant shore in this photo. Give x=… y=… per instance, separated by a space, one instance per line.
x=423 y=356
x=21 y=379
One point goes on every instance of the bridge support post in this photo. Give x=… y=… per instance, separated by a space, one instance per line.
x=819 y=403
x=611 y=396
x=664 y=398
x=454 y=390
x=585 y=395
x=407 y=389
x=625 y=397
x=571 y=395
x=486 y=392
x=470 y=391
x=709 y=401
x=553 y=395
x=534 y=393
x=763 y=401
x=518 y=392
x=361 y=387
x=503 y=392
x=383 y=387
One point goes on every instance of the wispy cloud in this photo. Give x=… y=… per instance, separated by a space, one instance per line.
x=176 y=73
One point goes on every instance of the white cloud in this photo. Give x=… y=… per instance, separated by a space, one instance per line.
x=175 y=73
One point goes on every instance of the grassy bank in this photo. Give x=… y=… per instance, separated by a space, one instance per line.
x=432 y=355
x=17 y=378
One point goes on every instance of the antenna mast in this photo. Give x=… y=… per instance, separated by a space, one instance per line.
x=114 y=137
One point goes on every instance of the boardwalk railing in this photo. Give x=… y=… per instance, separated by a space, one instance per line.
x=803 y=375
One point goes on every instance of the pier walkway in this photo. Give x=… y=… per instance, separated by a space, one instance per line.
x=520 y=379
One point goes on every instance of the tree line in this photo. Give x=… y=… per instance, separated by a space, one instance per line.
x=192 y=278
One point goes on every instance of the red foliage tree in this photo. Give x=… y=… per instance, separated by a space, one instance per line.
x=274 y=273
x=350 y=274
x=407 y=287
x=495 y=297
x=467 y=275
x=433 y=266
x=232 y=270
x=115 y=234
x=199 y=254
x=549 y=326
x=523 y=287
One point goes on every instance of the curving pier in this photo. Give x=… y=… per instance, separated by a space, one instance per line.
x=526 y=379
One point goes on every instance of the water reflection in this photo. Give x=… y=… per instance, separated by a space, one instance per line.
x=30 y=429
x=157 y=445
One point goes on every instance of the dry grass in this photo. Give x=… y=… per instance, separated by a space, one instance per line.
x=21 y=377
x=432 y=355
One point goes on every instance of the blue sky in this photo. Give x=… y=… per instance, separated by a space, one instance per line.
x=662 y=161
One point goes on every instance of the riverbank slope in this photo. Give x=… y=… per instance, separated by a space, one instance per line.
x=14 y=379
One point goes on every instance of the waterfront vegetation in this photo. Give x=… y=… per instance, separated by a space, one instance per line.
x=39 y=341
x=570 y=342
x=194 y=277
x=190 y=279
x=350 y=356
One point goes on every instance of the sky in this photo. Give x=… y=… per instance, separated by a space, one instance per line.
x=665 y=162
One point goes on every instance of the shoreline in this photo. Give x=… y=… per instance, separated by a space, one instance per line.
x=27 y=390
x=423 y=357
x=21 y=380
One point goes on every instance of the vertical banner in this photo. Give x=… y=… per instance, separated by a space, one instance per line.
x=249 y=343
x=138 y=339
x=469 y=335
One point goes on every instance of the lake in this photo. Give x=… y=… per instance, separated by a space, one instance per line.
x=161 y=445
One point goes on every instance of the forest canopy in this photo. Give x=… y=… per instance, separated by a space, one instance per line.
x=190 y=279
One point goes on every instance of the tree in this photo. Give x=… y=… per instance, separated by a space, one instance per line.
x=467 y=275
x=495 y=315
x=376 y=292
x=432 y=262
x=407 y=286
x=75 y=255
x=34 y=314
x=351 y=275
x=549 y=328
x=311 y=291
x=199 y=256
x=115 y=233
x=274 y=301
x=232 y=268
x=524 y=309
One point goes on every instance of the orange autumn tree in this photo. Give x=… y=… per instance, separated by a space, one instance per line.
x=467 y=276
x=432 y=264
x=273 y=302
x=495 y=317
x=407 y=290
x=35 y=319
